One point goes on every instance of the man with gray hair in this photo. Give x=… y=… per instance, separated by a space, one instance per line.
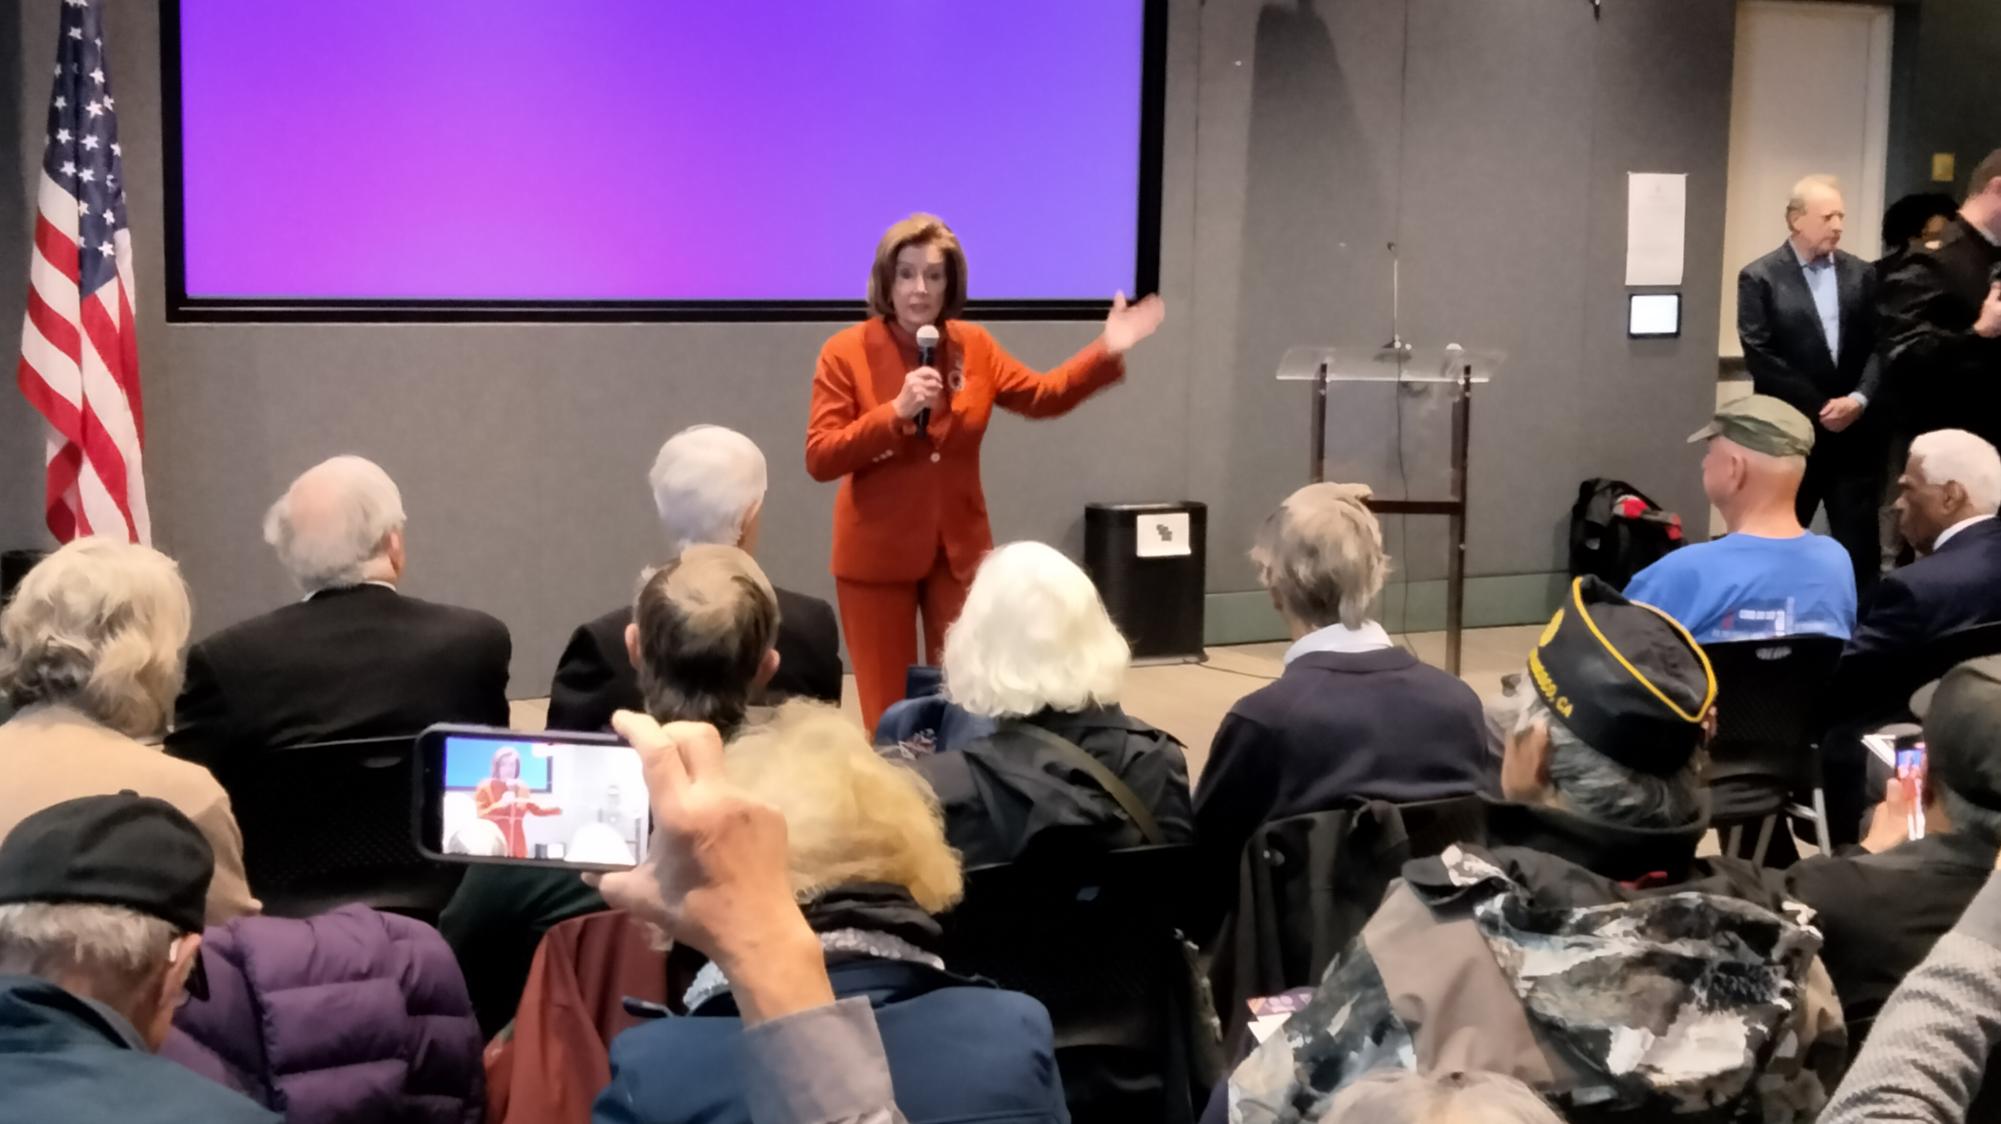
x=1582 y=944
x=355 y=658
x=1946 y=501
x=1353 y=716
x=708 y=487
x=1806 y=316
x=100 y=942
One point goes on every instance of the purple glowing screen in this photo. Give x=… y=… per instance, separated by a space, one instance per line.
x=653 y=150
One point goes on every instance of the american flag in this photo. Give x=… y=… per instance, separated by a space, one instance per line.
x=79 y=355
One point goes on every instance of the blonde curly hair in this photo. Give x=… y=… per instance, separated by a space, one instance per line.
x=99 y=625
x=850 y=815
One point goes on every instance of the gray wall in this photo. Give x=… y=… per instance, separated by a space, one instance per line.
x=1297 y=148
x=1945 y=92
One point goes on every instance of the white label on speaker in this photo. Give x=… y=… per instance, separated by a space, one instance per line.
x=1164 y=535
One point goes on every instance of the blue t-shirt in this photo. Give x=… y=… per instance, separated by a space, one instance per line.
x=1743 y=587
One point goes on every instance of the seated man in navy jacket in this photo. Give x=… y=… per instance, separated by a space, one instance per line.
x=1353 y=716
x=708 y=486
x=1946 y=500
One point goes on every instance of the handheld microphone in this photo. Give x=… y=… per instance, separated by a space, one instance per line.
x=927 y=351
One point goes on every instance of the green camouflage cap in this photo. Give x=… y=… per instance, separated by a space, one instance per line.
x=1762 y=424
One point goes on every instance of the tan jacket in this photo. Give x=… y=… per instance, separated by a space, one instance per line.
x=49 y=754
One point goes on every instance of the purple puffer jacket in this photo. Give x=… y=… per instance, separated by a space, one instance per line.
x=350 y=1016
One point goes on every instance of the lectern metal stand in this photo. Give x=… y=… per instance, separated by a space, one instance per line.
x=1396 y=363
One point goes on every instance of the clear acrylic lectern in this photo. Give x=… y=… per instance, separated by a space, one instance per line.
x=1461 y=369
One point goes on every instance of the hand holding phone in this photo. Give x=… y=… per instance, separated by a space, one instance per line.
x=718 y=876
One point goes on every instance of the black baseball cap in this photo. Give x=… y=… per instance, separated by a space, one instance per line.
x=127 y=850
x=1626 y=678
x=1961 y=713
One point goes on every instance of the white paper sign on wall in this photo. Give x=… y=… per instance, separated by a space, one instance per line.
x=1164 y=535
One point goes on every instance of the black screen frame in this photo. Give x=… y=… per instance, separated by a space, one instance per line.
x=1680 y=308
x=183 y=308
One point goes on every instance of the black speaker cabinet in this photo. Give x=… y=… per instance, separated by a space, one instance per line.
x=1148 y=562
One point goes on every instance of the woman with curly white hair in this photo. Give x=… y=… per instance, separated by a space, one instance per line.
x=90 y=654
x=1035 y=651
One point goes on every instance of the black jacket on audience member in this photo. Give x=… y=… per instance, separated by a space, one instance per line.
x=1880 y=914
x=358 y=662
x=595 y=676
x=1008 y=790
x=1955 y=587
x=1942 y=375
x=1335 y=728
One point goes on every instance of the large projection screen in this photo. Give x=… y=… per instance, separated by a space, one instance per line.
x=673 y=159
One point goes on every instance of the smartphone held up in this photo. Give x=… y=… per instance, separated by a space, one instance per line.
x=549 y=799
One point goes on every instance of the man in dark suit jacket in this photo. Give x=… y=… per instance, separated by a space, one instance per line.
x=356 y=658
x=1806 y=315
x=708 y=486
x=1942 y=319
x=1946 y=501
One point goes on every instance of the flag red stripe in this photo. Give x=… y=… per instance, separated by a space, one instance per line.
x=127 y=370
x=99 y=449
x=61 y=415
x=63 y=469
x=54 y=328
x=56 y=247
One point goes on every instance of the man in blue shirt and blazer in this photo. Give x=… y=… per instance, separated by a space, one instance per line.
x=1806 y=315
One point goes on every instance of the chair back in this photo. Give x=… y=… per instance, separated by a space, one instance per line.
x=1307 y=884
x=1769 y=696
x=1097 y=939
x=329 y=823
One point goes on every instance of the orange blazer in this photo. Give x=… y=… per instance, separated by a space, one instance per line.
x=903 y=495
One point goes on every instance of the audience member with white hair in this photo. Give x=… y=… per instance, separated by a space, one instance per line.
x=708 y=487
x=1035 y=650
x=1353 y=716
x=1401 y=1097
x=1946 y=500
x=356 y=658
x=1769 y=576
x=90 y=651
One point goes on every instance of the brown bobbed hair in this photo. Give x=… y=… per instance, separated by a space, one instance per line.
x=918 y=230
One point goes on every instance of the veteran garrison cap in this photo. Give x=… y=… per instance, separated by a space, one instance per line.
x=1625 y=678
x=1762 y=424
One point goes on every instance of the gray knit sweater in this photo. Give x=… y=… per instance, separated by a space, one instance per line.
x=1928 y=1051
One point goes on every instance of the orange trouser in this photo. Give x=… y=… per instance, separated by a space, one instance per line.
x=880 y=621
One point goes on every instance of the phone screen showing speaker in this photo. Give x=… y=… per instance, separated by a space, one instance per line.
x=1911 y=774
x=546 y=799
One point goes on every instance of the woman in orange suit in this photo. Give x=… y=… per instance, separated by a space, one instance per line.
x=503 y=801
x=910 y=523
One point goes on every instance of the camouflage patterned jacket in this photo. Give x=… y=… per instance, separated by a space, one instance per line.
x=1646 y=985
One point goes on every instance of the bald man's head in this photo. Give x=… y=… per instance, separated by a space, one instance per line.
x=1738 y=480
x=339 y=524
